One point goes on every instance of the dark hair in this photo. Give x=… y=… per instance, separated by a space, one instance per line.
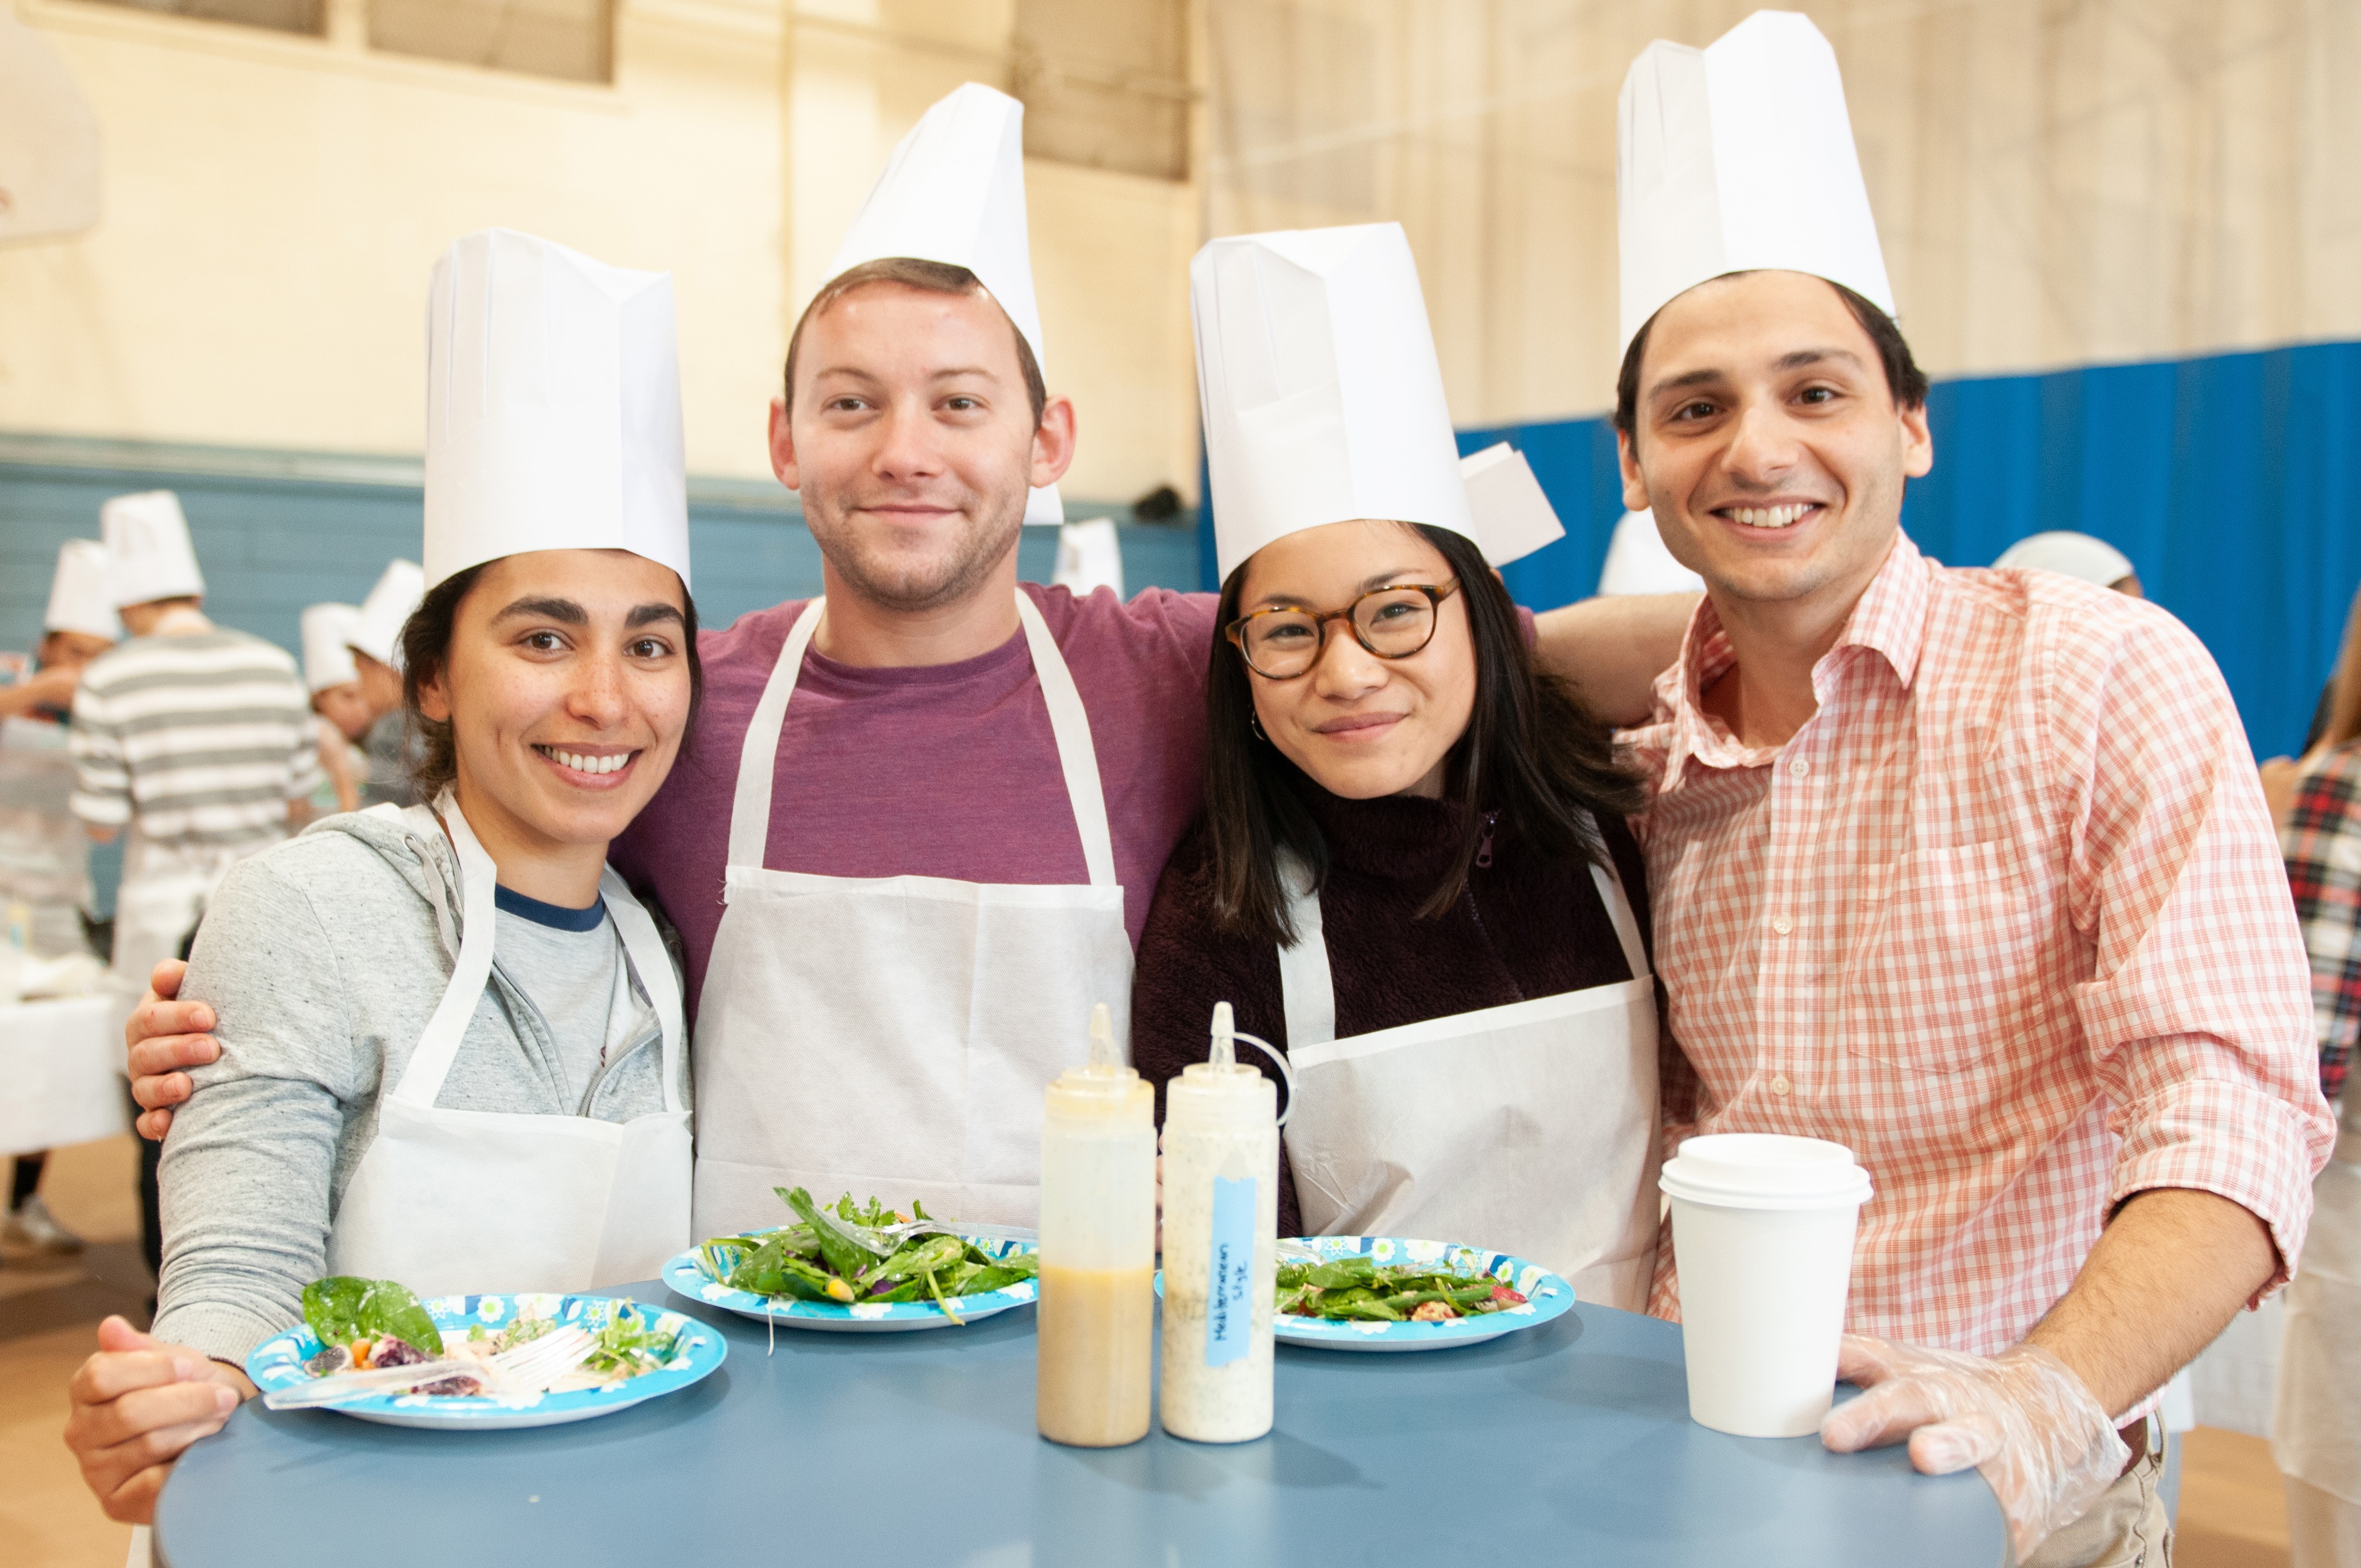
x=426 y=642
x=935 y=277
x=1903 y=376
x=1532 y=753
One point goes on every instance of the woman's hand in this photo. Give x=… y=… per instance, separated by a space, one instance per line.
x=135 y=1405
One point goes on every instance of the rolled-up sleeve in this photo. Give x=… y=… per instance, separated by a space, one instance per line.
x=2198 y=1013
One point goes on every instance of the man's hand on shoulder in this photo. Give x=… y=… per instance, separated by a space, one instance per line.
x=163 y=1037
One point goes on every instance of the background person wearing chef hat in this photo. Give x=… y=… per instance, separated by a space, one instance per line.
x=1034 y=754
x=1966 y=869
x=44 y=856
x=343 y=709
x=78 y=626
x=456 y=1124
x=1413 y=872
x=195 y=737
x=375 y=642
x=2076 y=555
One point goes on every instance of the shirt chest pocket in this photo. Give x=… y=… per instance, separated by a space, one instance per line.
x=1936 y=982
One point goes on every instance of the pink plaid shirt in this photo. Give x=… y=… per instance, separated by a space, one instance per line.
x=2006 y=917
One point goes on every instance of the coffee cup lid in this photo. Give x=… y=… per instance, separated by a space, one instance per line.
x=1764 y=1170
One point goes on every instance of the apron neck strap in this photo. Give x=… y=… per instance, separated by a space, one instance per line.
x=1307 y=990
x=750 y=808
x=421 y=1078
x=1077 y=758
x=758 y=757
x=1610 y=882
x=643 y=945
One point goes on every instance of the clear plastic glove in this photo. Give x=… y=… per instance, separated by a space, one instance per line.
x=2022 y=1418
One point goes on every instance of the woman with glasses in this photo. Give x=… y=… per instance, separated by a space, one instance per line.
x=1413 y=873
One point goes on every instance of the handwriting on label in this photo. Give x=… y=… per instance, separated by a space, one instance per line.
x=1229 y=1284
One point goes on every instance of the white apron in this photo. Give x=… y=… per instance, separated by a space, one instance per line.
x=891 y=1037
x=453 y=1202
x=2316 y=1426
x=1529 y=1128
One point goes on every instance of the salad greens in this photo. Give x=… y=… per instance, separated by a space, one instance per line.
x=343 y=1309
x=837 y=1255
x=1363 y=1288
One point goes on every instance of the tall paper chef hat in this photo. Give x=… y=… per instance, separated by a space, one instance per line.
x=1513 y=516
x=378 y=632
x=1740 y=156
x=553 y=407
x=954 y=192
x=1322 y=395
x=81 y=598
x=329 y=633
x=148 y=556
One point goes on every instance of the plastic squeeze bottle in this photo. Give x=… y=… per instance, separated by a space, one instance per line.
x=1220 y=1242
x=1098 y=1250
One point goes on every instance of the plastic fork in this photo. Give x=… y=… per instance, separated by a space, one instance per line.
x=528 y=1368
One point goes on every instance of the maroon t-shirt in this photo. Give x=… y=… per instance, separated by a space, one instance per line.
x=943 y=770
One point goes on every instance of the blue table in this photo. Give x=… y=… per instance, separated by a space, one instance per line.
x=1567 y=1444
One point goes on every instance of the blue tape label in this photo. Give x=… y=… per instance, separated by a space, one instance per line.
x=1229 y=1289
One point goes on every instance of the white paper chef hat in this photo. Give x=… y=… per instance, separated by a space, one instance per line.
x=2074 y=554
x=954 y=192
x=148 y=556
x=1638 y=562
x=1740 y=156
x=553 y=407
x=329 y=633
x=1321 y=394
x=378 y=632
x=81 y=598
x=1513 y=516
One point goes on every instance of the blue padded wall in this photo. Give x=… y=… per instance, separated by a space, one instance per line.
x=2232 y=481
x=270 y=545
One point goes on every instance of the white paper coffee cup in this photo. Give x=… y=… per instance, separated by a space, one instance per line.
x=1762 y=1232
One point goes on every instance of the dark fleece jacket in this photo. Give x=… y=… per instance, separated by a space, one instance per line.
x=1526 y=927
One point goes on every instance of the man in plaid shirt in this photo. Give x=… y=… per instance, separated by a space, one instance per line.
x=1968 y=871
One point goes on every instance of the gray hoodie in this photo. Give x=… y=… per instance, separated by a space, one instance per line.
x=322 y=959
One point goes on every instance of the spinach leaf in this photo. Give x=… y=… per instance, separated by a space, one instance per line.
x=332 y=1307
x=389 y=1308
x=845 y=1258
x=342 y=1308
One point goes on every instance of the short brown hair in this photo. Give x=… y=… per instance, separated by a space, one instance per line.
x=935 y=277
x=1903 y=376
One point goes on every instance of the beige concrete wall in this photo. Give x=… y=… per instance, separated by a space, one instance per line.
x=272 y=205
x=2055 y=184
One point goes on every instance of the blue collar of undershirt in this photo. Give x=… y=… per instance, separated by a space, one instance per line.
x=555 y=915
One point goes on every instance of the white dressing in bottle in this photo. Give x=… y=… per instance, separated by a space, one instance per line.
x=1221 y=1243
x=1098 y=1250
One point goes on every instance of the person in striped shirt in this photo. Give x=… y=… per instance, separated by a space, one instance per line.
x=196 y=738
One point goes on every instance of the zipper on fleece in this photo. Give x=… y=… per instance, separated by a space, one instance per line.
x=1475 y=912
